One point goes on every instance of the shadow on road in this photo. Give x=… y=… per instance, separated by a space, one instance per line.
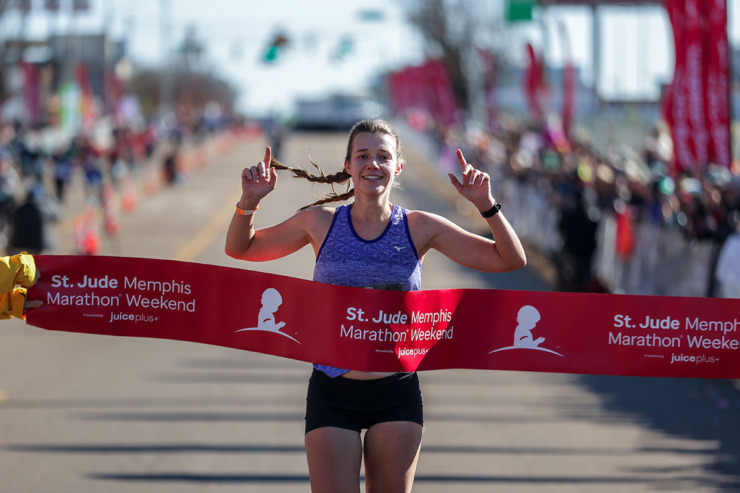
x=705 y=411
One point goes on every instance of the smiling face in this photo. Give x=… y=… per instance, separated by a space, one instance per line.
x=373 y=162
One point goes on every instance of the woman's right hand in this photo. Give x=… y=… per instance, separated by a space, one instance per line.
x=31 y=304
x=257 y=182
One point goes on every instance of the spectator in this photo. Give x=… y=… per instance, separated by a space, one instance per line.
x=578 y=231
x=9 y=185
x=32 y=221
x=62 y=172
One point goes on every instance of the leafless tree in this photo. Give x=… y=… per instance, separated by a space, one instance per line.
x=192 y=88
x=448 y=28
x=11 y=46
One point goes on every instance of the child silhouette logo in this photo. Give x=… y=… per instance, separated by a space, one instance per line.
x=527 y=319
x=271 y=301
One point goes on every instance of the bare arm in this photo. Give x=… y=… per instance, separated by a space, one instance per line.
x=246 y=243
x=503 y=253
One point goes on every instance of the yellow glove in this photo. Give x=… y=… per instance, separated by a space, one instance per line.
x=17 y=270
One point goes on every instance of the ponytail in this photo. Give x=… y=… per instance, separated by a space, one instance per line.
x=339 y=177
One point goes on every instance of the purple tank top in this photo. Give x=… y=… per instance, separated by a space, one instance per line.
x=389 y=261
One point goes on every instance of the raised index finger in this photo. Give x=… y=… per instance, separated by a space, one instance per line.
x=268 y=158
x=461 y=160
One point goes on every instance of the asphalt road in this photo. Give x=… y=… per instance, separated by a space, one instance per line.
x=82 y=413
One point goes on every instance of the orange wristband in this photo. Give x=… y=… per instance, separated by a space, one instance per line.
x=242 y=212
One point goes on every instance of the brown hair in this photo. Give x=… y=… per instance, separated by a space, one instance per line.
x=376 y=126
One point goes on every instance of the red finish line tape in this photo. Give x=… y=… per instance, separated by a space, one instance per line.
x=375 y=330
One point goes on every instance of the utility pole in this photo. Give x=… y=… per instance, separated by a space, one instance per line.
x=165 y=80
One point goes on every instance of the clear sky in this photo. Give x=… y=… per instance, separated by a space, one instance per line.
x=235 y=33
x=636 y=47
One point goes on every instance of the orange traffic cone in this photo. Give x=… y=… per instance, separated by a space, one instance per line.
x=87 y=237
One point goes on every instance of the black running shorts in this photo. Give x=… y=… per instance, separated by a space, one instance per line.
x=359 y=404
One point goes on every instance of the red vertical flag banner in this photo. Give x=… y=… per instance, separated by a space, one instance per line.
x=87 y=98
x=675 y=105
x=714 y=17
x=427 y=88
x=397 y=87
x=534 y=84
x=32 y=91
x=421 y=93
x=695 y=81
x=697 y=102
x=569 y=82
x=444 y=97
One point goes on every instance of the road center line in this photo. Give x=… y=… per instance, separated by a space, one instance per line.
x=207 y=235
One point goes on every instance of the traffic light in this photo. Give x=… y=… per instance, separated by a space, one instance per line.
x=275 y=48
x=371 y=15
x=519 y=10
x=272 y=53
x=345 y=48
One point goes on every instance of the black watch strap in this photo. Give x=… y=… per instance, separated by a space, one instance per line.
x=492 y=211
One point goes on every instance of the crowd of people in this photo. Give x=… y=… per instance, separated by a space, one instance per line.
x=581 y=188
x=578 y=188
x=37 y=166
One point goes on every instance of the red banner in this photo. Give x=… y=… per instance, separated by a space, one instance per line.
x=695 y=81
x=570 y=82
x=375 y=330
x=534 y=83
x=714 y=17
x=427 y=87
x=675 y=106
x=697 y=101
x=87 y=97
x=32 y=91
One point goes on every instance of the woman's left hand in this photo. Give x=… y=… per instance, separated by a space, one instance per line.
x=475 y=185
